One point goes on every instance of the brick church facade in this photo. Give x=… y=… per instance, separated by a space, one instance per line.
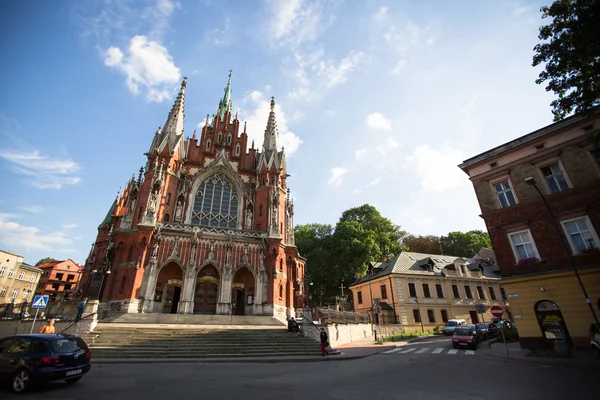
x=206 y=228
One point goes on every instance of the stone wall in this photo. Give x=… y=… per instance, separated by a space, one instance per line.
x=8 y=328
x=338 y=333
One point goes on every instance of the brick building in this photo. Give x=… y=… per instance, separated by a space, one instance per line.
x=17 y=279
x=207 y=227
x=564 y=161
x=60 y=280
x=423 y=291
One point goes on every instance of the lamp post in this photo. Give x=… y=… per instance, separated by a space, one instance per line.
x=420 y=316
x=532 y=182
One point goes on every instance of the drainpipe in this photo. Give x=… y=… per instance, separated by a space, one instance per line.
x=393 y=301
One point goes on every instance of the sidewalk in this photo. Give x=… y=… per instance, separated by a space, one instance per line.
x=580 y=359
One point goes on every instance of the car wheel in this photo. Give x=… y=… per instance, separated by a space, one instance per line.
x=71 y=381
x=21 y=381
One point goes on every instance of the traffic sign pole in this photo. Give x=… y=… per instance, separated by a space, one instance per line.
x=34 y=318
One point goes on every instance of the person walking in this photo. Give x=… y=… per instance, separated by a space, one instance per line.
x=48 y=328
x=323 y=342
x=80 y=308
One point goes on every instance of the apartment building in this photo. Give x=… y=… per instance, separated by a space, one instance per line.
x=60 y=280
x=18 y=280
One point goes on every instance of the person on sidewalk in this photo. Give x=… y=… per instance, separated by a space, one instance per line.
x=80 y=308
x=48 y=328
x=324 y=343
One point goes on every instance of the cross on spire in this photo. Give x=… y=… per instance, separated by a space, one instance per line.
x=343 y=287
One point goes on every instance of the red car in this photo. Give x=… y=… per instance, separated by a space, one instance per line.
x=465 y=336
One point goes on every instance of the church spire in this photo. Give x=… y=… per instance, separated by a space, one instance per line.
x=271 y=133
x=173 y=128
x=225 y=103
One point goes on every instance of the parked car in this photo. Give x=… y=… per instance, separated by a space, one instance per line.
x=29 y=359
x=509 y=330
x=448 y=329
x=465 y=336
x=483 y=331
x=595 y=339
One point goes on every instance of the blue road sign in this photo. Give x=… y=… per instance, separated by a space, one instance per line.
x=39 y=301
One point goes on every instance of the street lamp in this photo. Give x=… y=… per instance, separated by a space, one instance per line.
x=532 y=182
x=420 y=316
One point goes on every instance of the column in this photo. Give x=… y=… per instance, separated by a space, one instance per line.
x=148 y=303
x=224 y=302
x=186 y=303
x=259 y=294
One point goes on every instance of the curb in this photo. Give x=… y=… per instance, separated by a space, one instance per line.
x=533 y=360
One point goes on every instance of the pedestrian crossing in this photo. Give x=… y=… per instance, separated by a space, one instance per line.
x=429 y=350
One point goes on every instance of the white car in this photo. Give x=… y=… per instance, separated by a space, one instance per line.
x=452 y=324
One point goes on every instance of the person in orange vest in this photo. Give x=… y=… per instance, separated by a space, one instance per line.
x=48 y=328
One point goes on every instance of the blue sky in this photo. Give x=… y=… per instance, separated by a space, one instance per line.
x=377 y=102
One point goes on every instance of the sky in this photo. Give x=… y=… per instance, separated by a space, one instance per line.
x=377 y=102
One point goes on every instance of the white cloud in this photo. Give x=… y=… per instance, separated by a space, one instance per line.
x=437 y=168
x=69 y=226
x=337 y=176
x=13 y=234
x=381 y=13
x=257 y=122
x=378 y=122
x=374 y=182
x=158 y=17
x=397 y=70
x=43 y=172
x=147 y=64
x=293 y=22
x=403 y=39
x=33 y=209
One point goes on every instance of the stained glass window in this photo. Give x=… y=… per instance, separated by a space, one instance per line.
x=216 y=203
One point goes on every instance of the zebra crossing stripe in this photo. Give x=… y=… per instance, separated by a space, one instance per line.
x=469 y=352
x=408 y=351
x=452 y=351
x=393 y=350
x=423 y=350
x=438 y=350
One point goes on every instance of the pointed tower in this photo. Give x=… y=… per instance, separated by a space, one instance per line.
x=225 y=103
x=271 y=132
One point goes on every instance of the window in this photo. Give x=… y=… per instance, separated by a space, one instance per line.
x=3 y=291
x=21 y=276
x=555 y=178
x=480 y=292
x=581 y=234
x=383 y=291
x=280 y=291
x=216 y=203
x=208 y=145
x=15 y=345
x=412 y=291
x=505 y=195
x=522 y=245
x=492 y=293
x=444 y=316
x=11 y=273
x=431 y=316
x=55 y=286
x=237 y=149
x=281 y=265
x=70 y=277
x=14 y=293
x=2 y=271
x=455 y=291
x=359 y=297
x=417 y=315
x=32 y=278
x=260 y=209
x=229 y=139
x=440 y=291
x=68 y=286
x=166 y=218
x=59 y=277
x=426 y=291
x=468 y=292
x=123 y=282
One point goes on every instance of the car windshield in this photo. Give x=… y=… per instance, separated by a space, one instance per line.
x=67 y=345
x=451 y=323
x=482 y=326
x=462 y=332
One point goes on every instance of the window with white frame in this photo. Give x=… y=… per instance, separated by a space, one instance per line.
x=555 y=178
x=21 y=276
x=581 y=234
x=505 y=195
x=523 y=246
x=3 y=291
x=32 y=278
x=11 y=273
x=14 y=293
x=2 y=271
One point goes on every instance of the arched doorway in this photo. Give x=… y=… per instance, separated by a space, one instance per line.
x=207 y=291
x=552 y=323
x=168 y=288
x=242 y=292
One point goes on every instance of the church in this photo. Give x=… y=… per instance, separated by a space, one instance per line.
x=207 y=227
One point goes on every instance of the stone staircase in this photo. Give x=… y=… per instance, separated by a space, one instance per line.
x=162 y=341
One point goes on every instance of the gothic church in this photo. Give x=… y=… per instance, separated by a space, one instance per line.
x=206 y=228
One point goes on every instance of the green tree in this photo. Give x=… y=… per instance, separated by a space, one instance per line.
x=45 y=261
x=463 y=244
x=571 y=53
x=428 y=244
x=314 y=243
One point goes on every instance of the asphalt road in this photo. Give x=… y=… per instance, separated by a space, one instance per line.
x=411 y=375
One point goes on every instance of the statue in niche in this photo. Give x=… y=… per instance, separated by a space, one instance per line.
x=178 y=211
x=193 y=254
x=153 y=202
x=228 y=258
x=211 y=252
x=261 y=266
x=155 y=250
x=249 y=220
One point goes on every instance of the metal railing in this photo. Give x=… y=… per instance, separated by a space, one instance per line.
x=60 y=311
x=326 y=316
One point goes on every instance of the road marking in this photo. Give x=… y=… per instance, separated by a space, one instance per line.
x=438 y=350
x=469 y=352
x=423 y=350
x=452 y=351
x=408 y=351
x=393 y=350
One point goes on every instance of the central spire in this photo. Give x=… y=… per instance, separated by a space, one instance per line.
x=271 y=133
x=225 y=103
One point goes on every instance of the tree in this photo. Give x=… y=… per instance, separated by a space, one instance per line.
x=429 y=244
x=313 y=242
x=45 y=261
x=571 y=53
x=467 y=244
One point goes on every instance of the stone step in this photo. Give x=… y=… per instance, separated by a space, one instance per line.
x=198 y=319
x=203 y=356
x=192 y=348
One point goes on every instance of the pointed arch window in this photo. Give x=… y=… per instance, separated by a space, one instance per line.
x=130 y=254
x=237 y=149
x=229 y=139
x=208 y=143
x=216 y=203
x=219 y=137
x=281 y=291
x=123 y=282
x=281 y=264
x=260 y=209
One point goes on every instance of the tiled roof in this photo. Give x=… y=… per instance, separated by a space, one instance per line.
x=426 y=264
x=50 y=264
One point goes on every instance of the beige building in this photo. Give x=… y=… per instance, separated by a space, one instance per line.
x=17 y=279
x=423 y=291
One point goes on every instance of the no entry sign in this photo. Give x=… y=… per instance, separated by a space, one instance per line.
x=496 y=311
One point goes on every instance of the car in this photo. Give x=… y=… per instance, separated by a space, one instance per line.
x=465 y=336
x=483 y=331
x=595 y=339
x=26 y=360
x=451 y=325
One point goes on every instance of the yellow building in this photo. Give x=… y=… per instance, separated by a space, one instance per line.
x=423 y=291
x=17 y=279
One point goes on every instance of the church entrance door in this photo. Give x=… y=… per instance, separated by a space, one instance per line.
x=205 y=301
x=239 y=302
x=176 y=297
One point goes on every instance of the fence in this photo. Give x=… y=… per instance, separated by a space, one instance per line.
x=327 y=316
x=63 y=311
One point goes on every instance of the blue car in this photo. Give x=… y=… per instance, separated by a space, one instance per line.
x=29 y=359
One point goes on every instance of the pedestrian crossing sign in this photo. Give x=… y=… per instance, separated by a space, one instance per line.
x=39 y=301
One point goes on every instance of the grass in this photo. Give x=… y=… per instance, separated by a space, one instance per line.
x=406 y=336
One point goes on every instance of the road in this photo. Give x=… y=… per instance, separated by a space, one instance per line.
x=414 y=375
